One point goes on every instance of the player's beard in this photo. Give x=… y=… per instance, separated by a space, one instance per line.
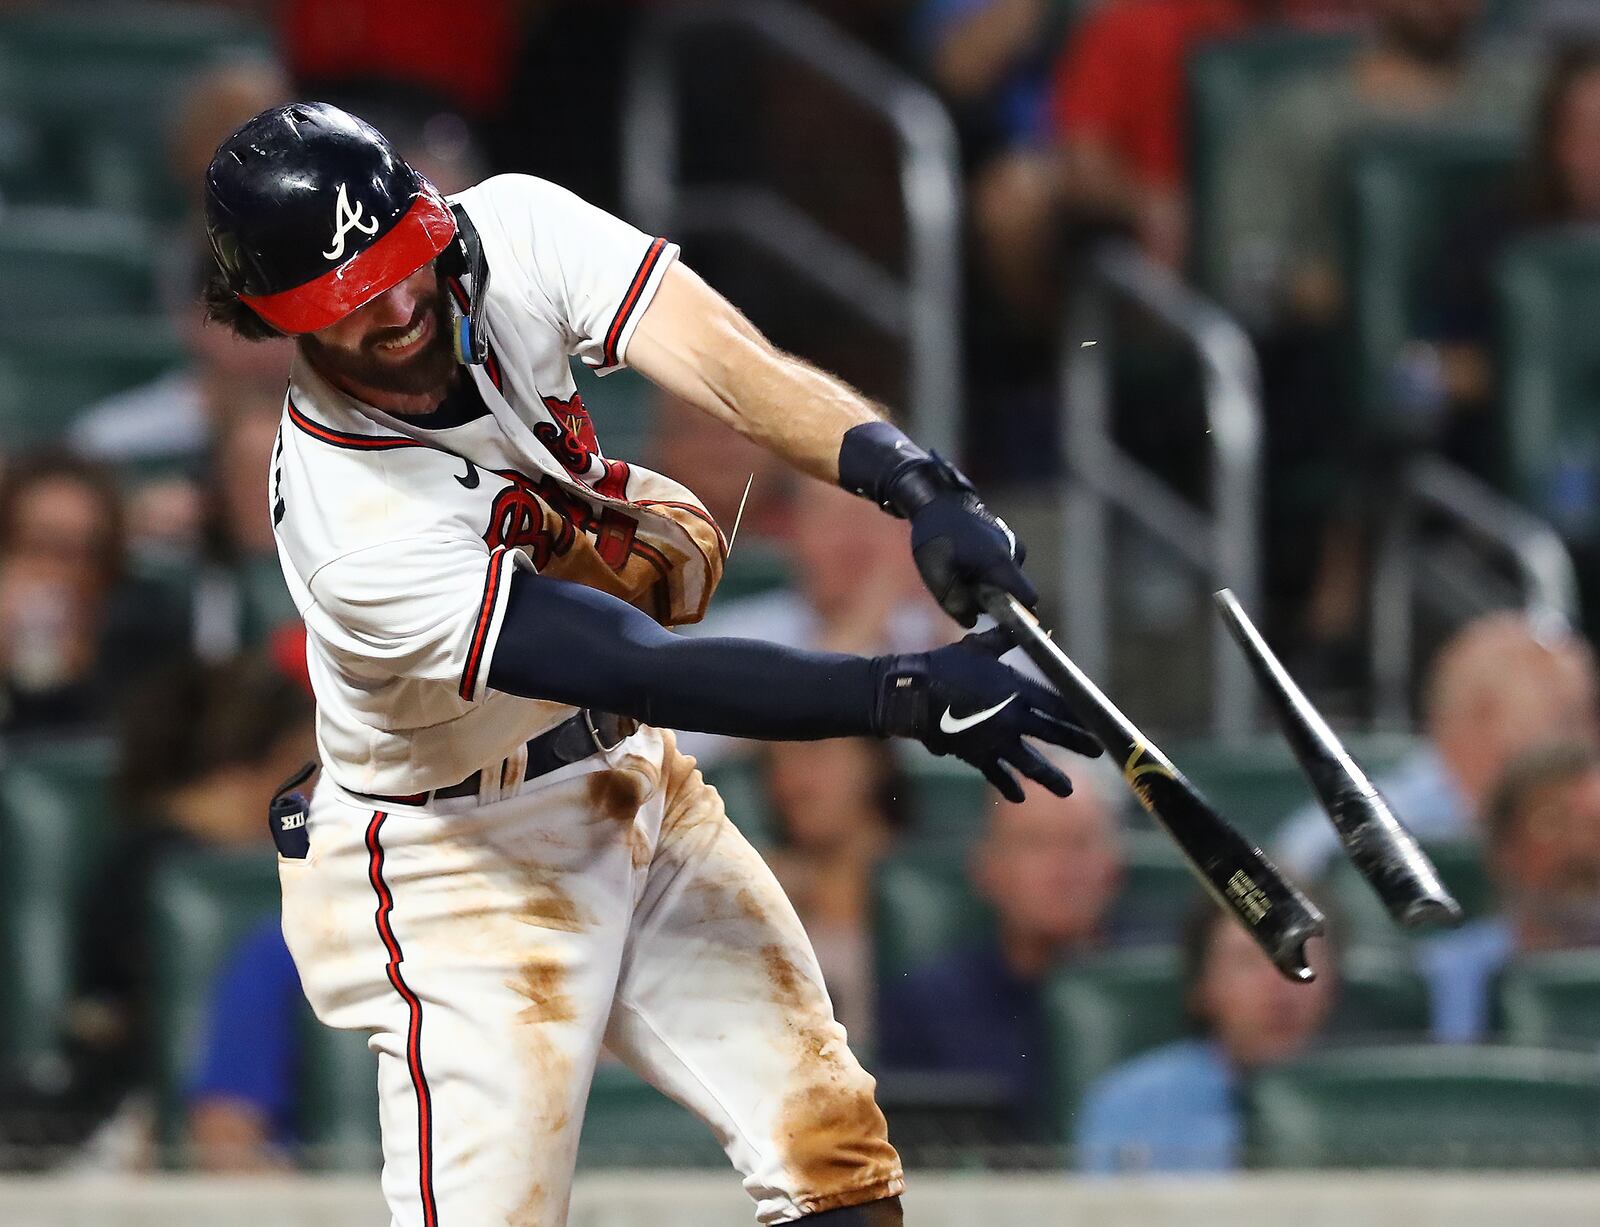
x=427 y=371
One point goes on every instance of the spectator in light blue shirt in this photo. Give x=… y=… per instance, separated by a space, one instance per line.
x=1499 y=687
x=1176 y=1108
x=1542 y=827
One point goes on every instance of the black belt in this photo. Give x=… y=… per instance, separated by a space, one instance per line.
x=571 y=741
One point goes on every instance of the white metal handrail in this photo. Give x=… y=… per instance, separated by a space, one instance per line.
x=1224 y=542
x=923 y=304
x=1546 y=578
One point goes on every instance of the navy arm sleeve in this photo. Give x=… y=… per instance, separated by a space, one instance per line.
x=571 y=644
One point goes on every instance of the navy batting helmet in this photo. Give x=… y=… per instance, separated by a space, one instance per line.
x=312 y=214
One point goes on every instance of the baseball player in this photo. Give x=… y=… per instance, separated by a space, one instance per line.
x=506 y=862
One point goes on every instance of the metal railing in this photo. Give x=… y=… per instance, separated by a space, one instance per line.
x=1224 y=543
x=1545 y=580
x=922 y=306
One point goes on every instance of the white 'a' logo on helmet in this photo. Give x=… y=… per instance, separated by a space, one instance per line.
x=346 y=219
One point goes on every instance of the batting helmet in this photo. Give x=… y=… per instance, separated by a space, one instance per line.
x=312 y=214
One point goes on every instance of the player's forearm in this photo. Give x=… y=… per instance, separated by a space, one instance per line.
x=697 y=346
x=571 y=644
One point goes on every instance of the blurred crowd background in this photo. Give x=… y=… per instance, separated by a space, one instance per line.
x=1394 y=203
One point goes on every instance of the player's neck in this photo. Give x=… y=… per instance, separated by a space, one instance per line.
x=401 y=404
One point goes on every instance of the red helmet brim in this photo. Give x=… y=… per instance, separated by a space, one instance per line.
x=425 y=230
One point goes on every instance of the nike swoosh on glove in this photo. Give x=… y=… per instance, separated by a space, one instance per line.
x=962 y=700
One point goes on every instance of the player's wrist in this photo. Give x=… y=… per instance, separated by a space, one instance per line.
x=900 y=690
x=876 y=460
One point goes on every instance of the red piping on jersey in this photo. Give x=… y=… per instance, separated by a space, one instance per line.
x=341 y=438
x=480 y=634
x=425 y=229
x=630 y=300
x=419 y=1080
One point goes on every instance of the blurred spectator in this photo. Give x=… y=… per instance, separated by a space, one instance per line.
x=1542 y=829
x=73 y=631
x=1116 y=157
x=838 y=806
x=464 y=52
x=239 y=594
x=201 y=750
x=242 y=1097
x=1177 y=1108
x=718 y=463
x=856 y=589
x=1050 y=868
x=1451 y=367
x=1281 y=221
x=990 y=60
x=1500 y=686
x=160 y=434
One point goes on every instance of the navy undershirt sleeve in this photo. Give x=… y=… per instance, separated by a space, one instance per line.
x=571 y=644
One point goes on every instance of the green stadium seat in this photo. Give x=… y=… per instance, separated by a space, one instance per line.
x=631 y=1124
x=201 y=904
x=1410 y=190
x=1552 y=999
x=96 y=84
x=53 y=821
x=1422 y=1106
x=337 y=1109
x=50 y=372
x=74 y=262
x=738 y=781
x=1228 y=83
x=1550 y=287
x=949 y=799
x=754 y=568
x=1106 y=1009
x=1380 y=995
x=1158 y=888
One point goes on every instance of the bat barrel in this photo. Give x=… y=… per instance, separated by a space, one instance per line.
x=1232 y=869
x=1378 y=844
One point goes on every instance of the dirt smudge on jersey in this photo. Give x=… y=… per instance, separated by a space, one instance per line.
x=616 y=794
x=787 y=984
x=547 y=906
x=835 y=1142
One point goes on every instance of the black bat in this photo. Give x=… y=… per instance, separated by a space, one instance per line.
x=1381 y=848
x=1232 y=869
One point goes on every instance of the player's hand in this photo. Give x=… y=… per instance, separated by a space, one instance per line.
x=961 y=700
x=960 y=545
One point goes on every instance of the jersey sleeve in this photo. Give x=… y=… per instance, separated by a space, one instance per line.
x=426 y=608
x=594 y=272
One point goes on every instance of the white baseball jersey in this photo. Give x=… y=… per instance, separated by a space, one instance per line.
x=399 y=536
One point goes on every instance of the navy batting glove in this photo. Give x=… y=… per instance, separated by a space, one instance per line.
x=958 y=544
x=961 y=700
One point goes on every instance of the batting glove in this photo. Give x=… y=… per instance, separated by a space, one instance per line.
x=961 y=700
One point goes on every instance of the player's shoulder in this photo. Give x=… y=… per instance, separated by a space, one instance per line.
x=512 y=194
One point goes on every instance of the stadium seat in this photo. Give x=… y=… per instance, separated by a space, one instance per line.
x=66 y=263
x=1421 y=1106
x=1409 y=191
x=1228 y=82
x=51 y=371
x=53 y=828
x=94 y=86
x=1104 y=1010
x=738 y=781
x=1550 y=289
x=1380 y=995
x=201 y=904
x=631 y=1124
x=1552 y=999
x=1158 y=889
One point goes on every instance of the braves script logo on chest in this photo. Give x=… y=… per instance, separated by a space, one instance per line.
x=346 y=219
x=571 y=440
x=544 y=518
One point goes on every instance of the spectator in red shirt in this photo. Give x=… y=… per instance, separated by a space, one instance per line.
x=1118 y=121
